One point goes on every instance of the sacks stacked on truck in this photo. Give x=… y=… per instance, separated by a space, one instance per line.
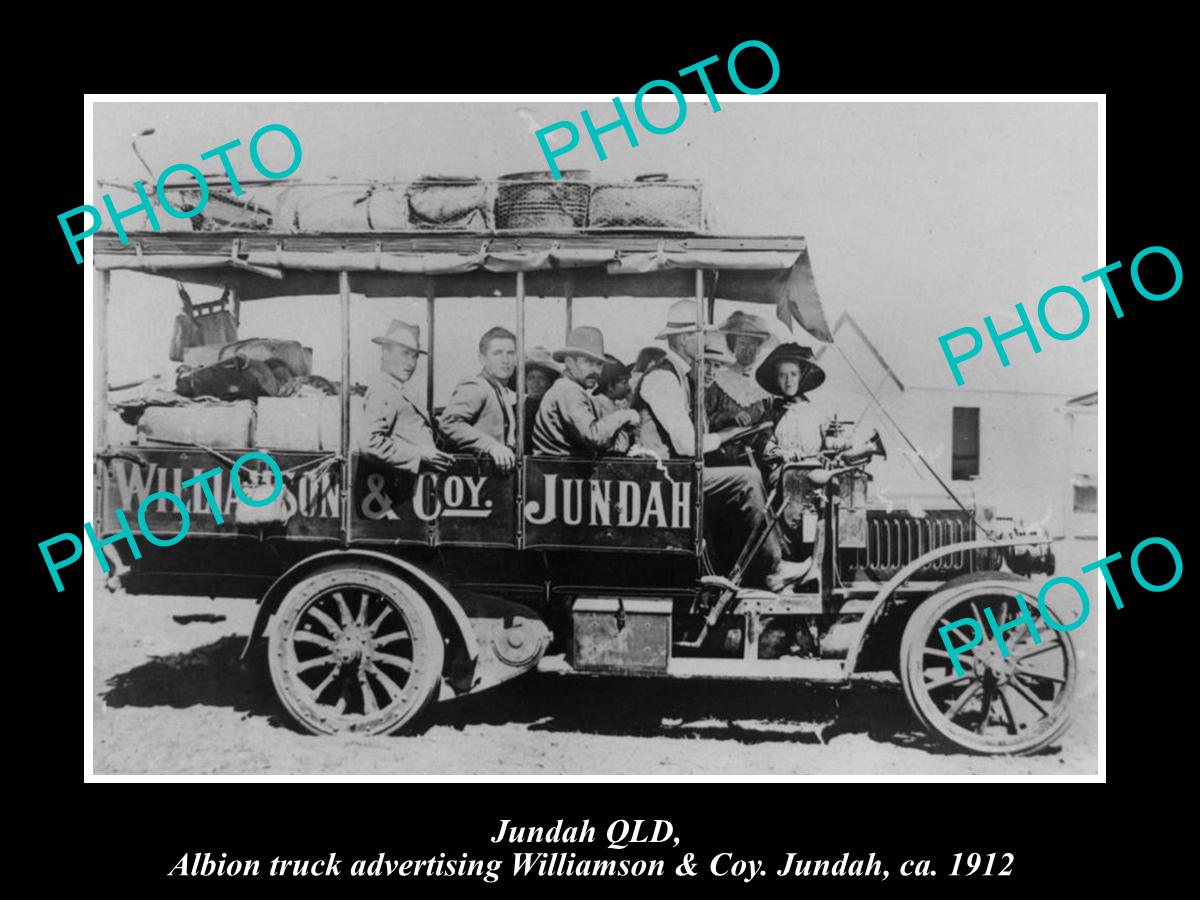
x=299 y=423
x=255 y=392
x=211 y=424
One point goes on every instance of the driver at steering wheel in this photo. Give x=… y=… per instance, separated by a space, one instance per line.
x=734 y=500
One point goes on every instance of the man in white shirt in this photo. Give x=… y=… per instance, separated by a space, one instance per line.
x=734 y=498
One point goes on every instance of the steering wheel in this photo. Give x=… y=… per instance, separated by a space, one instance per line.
x=744 y=435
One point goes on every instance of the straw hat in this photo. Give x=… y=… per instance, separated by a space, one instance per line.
x=812 y=376
x=583 y=341
x=403 y=334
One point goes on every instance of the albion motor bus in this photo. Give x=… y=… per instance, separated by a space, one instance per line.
x=373 y=603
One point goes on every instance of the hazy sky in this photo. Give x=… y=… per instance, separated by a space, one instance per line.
x=920 y=218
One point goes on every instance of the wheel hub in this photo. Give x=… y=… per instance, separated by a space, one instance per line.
x=990 y=663
x=352 y=644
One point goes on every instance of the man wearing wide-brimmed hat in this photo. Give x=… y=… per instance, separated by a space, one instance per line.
x=568 y=423
x=398 y=433
x=734 y=499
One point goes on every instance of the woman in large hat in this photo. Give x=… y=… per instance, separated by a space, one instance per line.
x=790 y=373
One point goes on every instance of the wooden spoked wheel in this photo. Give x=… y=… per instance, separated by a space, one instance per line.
x=354 y=650
x=1013 y=704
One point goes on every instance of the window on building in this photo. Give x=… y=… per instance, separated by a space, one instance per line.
x=965 y=463
x=1085 y=493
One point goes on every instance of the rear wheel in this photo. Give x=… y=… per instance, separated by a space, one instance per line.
x=1012 y=704
x=354 y=650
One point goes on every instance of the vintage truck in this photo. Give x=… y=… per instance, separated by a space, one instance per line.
x=373 y=605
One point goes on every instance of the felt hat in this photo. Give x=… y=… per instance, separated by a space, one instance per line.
x=540 y=358
x=741 y=323
x=403 y=334
x=681 y=319
x=583 y=341
x=812 y=376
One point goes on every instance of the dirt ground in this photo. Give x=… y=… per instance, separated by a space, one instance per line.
x=173 y=697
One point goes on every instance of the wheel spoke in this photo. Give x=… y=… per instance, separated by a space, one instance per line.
x=362 y=609
x=988 y=690
x=1021 y=670
x=1008 y=713
x=390 y=687
x=374 y=626
x=370 y=705
x=966 y=695
x=957 y=633
x=948 y=680
x=1042 y=648
x=1024 y=692
x=934 y=651
x=327 y=660
x=398 y=661
x=389 y=638
x=330 y=625
x=343 y=610
x=309 y=638
x=326 y=681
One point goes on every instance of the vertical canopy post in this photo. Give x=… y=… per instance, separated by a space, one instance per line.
x=344 y=494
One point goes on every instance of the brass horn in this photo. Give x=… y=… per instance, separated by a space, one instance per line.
x=862 y=453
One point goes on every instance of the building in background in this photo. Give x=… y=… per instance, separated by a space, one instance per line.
x=1080 y=504
x=1030 y=454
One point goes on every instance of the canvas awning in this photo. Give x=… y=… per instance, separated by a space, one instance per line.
x=755 y=270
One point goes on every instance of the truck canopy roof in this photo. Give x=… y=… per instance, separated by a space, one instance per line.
x=754 y=269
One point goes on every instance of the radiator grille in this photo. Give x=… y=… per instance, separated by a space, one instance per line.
x=896 y=539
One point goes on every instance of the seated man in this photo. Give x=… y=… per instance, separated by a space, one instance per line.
x=568 y=423
x=481 y=414
x=733 y=495
x=398 y=432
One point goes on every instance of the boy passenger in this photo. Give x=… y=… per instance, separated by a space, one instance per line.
x=612 y=393
x=481 y=415
x=568 y=423
x=398 y=431
x=541 y=371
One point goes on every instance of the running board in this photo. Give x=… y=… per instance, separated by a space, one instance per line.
x=787 y=669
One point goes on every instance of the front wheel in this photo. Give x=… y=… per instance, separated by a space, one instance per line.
x=354 y=650
x=1014 y=704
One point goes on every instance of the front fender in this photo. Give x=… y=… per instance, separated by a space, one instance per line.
x=884 y=594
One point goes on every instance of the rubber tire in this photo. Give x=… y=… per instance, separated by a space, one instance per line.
x=912 y=645
x=428 y=651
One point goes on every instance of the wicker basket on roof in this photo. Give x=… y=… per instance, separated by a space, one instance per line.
x=536 y=201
